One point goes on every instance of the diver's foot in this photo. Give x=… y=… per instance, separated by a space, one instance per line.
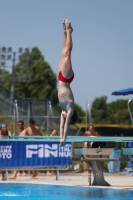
x=64 y=26
x=68 y=25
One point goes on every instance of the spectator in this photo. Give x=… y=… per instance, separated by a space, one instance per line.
x=32 y=130
x=50 y=173
x=54 y=133
x=16 y=172
x=1 y=126
x=91 y=132
x=20 y=126
x=4 y=132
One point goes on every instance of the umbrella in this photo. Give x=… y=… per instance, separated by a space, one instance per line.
x=123 y=92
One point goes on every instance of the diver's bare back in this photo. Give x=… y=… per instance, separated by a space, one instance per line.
x=33 y=131
x=65 y=95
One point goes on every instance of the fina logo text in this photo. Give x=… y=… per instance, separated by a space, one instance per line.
x=6 y=152
x=44 y=150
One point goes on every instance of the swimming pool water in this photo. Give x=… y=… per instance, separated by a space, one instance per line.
x=55 y=192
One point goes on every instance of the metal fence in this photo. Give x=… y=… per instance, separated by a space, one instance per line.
x=14 y=108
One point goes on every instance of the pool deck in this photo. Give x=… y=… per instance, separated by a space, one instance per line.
x=116 y=180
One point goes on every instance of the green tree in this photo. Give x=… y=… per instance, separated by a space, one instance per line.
x=5 y=78
x=114 y=113
x=100 y=112
x=120 y=111
x=119 y=105
x=41 y=80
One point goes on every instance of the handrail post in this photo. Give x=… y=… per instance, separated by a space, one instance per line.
x=130 y=110
x=57 y=174
x=89 y=176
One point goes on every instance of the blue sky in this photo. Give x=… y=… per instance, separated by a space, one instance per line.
x=102 y=55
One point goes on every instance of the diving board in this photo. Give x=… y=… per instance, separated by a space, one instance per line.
x=69 y=139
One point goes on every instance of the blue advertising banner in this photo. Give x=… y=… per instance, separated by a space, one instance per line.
x=34 y=154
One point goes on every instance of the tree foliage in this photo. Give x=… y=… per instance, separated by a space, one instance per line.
x=120 y=111
x=100 y=112
x=119 y=105
x=38 y=81
x=42 y=83
x=112 y=113
x=5 y=78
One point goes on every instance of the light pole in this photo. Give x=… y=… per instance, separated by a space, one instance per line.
x=13 y=76
x=88 y=114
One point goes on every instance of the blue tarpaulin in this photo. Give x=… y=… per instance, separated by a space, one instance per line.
x=123 y=92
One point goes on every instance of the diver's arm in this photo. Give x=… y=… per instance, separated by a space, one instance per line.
x=66 y=125
x=62 y=121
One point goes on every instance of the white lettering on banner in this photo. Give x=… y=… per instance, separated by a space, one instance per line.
x=44 y=150
x=34 y=149
x=3 y=147
x=6 y=152
x=51 y=150
x=8 y=155
x=65 y=151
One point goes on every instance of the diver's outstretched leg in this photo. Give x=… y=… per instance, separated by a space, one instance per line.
x=64 y=38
